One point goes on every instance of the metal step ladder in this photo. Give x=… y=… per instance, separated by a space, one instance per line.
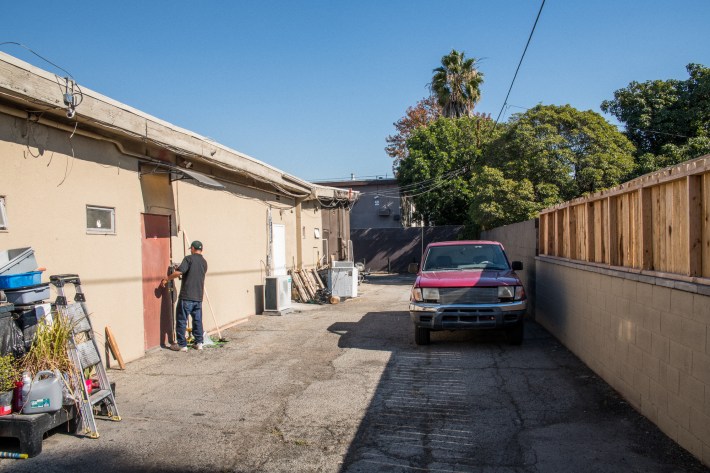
x=84 y=354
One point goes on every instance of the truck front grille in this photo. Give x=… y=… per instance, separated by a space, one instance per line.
x=468 y=295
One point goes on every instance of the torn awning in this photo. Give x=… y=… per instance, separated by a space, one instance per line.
x=177 y=174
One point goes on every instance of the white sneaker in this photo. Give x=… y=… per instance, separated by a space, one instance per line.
x=198 y=346
x=176 y=347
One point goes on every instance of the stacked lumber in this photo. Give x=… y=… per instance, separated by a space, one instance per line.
x=308 y=285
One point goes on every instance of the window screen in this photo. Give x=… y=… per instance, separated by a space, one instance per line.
x=100 y=219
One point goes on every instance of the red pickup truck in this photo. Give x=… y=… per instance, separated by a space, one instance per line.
x=467 y=285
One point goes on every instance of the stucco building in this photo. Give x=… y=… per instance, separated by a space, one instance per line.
x=103 y=190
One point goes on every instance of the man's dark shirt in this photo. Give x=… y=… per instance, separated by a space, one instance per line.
x=193 y=269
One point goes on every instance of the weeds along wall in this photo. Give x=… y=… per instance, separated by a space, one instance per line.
x=623 y=280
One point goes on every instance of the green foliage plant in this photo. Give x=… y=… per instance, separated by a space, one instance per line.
x=564 y=152
x=49 y=347
x=442 y=157
x=497 y=201
x=667 y=120
x=9 y=372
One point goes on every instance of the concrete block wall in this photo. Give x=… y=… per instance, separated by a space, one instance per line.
x=648 y=337
x=520 y=242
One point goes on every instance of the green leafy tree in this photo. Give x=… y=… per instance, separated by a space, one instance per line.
x=456 y=84
x=423 y=113
x=436 y=174
x=563 y=152
x=668 y=121
x=497 y=200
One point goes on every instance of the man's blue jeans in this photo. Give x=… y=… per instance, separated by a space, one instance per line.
x=185 y=309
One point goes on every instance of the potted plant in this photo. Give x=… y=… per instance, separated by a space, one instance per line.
x=9 y=374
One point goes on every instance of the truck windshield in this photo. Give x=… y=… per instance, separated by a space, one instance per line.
x=465 y=256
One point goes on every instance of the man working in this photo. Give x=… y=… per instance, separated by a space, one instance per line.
x=192 y=269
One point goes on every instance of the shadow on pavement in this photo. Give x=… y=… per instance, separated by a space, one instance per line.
x=469 y=402
x=389 y=279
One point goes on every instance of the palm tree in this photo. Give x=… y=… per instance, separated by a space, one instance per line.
x=456 y=84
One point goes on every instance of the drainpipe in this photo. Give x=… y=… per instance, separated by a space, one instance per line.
x=269 y=243
x=299 y=235
x=341 y=233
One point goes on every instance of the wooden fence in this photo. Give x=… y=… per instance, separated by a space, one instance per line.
x=659 y=222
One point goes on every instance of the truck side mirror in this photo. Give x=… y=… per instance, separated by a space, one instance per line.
x=413 y=268
x=517 y=265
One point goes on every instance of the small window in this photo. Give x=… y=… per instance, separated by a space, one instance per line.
x=100 y=220
x=316 y=233
x=3 y=214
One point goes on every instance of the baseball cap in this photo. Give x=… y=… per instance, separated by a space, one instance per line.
x=196 y=245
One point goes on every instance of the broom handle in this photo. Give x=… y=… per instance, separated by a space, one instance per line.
x=219 y=334
x=207 y=296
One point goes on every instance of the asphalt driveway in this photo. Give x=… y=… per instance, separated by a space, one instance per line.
x=343 y=388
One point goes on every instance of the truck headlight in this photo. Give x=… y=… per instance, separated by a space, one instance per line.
x=416 y=294
x=506 y=292
x=515 y=293
x=430 y=293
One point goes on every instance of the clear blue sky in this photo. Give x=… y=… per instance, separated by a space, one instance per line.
x=313 y=87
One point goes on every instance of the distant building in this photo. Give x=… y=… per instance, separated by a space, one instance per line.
x=379 y=204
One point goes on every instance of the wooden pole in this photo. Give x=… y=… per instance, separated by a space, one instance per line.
x=113 y=346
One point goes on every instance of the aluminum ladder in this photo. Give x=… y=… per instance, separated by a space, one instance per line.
x=84 y=354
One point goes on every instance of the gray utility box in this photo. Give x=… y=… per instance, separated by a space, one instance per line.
x=342 y=281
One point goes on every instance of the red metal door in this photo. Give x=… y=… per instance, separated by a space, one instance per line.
x=157 y=302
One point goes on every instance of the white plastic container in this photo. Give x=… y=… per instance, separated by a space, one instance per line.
x=43 y=394
x=18 y=260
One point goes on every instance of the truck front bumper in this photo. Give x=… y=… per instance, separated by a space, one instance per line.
x=467 y=317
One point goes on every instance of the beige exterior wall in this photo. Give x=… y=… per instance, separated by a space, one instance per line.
x=47 y=190
x=311 y=219
x=48 y=183
x=233 y=230
x=648 y=337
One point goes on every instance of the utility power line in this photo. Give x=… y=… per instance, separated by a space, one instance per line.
x=505 y=102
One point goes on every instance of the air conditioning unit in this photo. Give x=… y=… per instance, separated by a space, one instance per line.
x=277 y=293
x=342 y=281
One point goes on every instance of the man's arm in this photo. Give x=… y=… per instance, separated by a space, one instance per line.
x=175 y=274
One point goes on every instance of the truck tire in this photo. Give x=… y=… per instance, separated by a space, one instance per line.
x=422 y=335
x=515 y=333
